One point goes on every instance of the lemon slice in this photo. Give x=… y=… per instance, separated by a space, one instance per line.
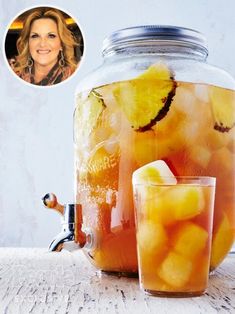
x=86 y=115
x=223 y=108
x=154 y=172
x=146 y=99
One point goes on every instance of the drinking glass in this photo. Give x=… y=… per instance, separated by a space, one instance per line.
x=174 y=230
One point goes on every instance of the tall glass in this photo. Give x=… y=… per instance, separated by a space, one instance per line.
x=174 y=232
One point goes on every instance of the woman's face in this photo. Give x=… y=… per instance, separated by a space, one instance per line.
x=44 y=42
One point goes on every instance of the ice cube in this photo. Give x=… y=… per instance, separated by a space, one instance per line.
x=190 y=240
x=200 y=155
x=184 y=101
x=154 y=172
x=201 y=92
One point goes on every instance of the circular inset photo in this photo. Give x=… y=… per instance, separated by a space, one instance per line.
x=44 y=46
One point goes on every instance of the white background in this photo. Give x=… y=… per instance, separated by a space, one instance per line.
x=36 y=147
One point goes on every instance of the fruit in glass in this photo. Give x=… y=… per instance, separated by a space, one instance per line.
x=173 y=253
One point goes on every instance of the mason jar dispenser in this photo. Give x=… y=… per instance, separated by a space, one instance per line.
x=155 y=97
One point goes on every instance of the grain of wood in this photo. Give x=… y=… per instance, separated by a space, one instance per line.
x=34 y=281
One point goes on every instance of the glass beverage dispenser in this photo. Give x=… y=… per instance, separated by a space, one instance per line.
x=154 y=97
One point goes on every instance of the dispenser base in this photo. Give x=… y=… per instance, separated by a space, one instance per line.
x=119 y=274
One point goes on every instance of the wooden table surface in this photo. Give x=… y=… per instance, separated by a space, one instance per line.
x=36 y=281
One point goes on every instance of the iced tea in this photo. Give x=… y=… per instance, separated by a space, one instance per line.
x=174 y=231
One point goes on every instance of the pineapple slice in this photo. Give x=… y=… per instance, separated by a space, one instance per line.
x=186 y=201
x=223 y=108
x=154 y=206
x=175 y=270
x=157 y=71
x=151 y=237
x=190 y=240
x=86 y=116
x=173 y=204
x=222 y=242
x=146 y=99
x=166 y=204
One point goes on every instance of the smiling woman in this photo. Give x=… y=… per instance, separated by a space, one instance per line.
x=46 y=48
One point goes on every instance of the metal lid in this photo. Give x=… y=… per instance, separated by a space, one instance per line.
x=154 y=32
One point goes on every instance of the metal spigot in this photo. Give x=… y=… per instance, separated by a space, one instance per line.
x=71 y=236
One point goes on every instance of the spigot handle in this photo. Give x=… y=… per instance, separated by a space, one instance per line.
x=71 y=225
x=50 y=201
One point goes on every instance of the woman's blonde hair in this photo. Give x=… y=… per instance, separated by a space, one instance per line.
x=68 y=41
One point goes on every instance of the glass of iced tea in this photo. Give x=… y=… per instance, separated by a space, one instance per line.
x=174 y=219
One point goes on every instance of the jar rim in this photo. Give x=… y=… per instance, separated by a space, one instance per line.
x=163 y=33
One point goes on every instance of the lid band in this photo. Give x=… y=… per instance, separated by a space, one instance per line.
x=154 y=33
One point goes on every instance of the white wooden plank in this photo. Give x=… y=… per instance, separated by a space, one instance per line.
x=36 y=281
